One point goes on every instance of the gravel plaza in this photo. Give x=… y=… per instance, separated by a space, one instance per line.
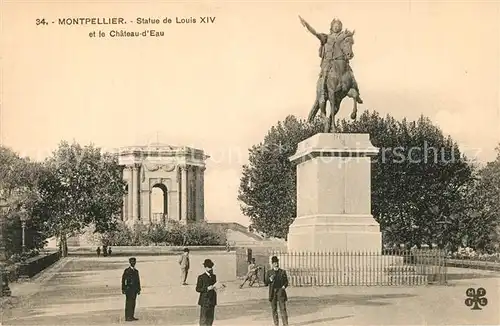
x=86 y=291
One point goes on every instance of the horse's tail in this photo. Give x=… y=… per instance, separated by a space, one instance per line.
x=313 y=112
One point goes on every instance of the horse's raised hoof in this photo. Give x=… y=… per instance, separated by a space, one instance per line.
x=359 y=100
x=353 y=115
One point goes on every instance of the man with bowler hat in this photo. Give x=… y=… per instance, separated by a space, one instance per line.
x=277 y=281
x=131 y=287
x=208 y=296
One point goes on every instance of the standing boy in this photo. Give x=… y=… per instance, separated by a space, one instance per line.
x=131 y=287
x=184 y=263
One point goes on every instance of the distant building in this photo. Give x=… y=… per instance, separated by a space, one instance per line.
x=177 y=171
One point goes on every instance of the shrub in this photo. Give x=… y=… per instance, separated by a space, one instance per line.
x=140 y=235
x=471 y=254
x=172 y=234
x=200 y=234
x=123 y=236
x=176 y=233
x=19 y=257
x=15 y=258
x=156 y=234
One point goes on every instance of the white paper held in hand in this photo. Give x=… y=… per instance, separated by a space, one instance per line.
x=219 y=286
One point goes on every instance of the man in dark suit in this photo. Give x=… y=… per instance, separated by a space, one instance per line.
x=208 y=296
x=277 y=281
x=131 y=287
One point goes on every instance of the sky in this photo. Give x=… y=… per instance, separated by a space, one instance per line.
x=221 y=86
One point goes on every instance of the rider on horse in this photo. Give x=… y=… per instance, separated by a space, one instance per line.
x=327 y=46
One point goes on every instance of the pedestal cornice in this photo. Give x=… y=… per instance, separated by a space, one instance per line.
x=339 y=145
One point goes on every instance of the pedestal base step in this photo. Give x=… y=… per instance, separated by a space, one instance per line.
x=330 y=232
x=338 y=261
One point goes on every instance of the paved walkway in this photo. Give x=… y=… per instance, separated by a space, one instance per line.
x=86 y=291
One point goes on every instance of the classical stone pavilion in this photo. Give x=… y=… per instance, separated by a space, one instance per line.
x=177 y=171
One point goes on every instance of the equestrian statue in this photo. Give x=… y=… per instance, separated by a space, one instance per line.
x=336 y=79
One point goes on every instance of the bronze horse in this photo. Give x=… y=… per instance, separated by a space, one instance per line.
x=336 y=82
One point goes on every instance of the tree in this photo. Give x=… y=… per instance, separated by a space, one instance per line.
x=267 y=186
x=481 y=230
x=418 y=178
x=81 y=187
x=19 y=189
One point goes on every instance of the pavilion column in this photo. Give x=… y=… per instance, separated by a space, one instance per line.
x=184 y=194
x=135 y=193
x=192 y=193
x=145 y=206
x=124 y=207
x=197 y=186
x=130 y=193
x=201 y=198
x=178 y=198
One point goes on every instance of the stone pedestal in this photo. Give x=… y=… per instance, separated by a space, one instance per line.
x=334 y=195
